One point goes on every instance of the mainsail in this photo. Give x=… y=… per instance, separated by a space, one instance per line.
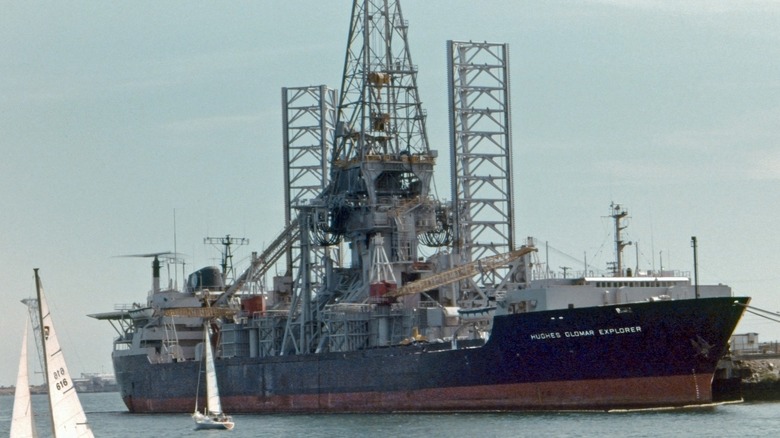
x=212 y=390
x=67 y=415
x=22 y=424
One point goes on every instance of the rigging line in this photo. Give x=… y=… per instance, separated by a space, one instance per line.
x=563 y=254
x=552 y=249
x=197 y=387
x=760 y=310
x=591 y=266
x=763 y=316
x=647 y=260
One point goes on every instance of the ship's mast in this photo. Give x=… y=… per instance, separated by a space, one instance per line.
x=618 y=214
x=227 y=253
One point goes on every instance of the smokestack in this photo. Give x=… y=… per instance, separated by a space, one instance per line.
x=155 y=275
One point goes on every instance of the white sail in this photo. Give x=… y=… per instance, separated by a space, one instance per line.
x=212 y=390
x=22 y=424
x=67 y=415
x=212 y=417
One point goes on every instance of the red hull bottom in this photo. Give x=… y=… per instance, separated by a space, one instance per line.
x=607 y=394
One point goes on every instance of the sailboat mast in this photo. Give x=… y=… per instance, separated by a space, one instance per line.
x=42 y=334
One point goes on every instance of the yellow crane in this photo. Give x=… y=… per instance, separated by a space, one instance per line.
x=198 y=312
x=461 y=272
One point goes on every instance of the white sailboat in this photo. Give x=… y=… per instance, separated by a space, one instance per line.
x=22 y=422
x=212 y=416
x=67 y=415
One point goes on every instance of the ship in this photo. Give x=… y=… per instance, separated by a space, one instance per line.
x=391 y=300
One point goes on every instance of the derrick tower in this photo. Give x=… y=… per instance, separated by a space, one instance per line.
x=381 y=166
x=380 y=112
x=376 y=203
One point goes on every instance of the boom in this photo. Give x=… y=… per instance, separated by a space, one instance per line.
x=461 y=272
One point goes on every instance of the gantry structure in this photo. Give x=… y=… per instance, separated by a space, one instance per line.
x=481 y=156
x=308 y=120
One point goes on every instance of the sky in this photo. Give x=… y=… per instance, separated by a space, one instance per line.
x=118 y=120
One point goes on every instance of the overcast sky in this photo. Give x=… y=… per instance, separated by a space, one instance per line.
x=115 y=115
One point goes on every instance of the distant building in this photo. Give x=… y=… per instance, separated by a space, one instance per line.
x=94 y=382
x=746 y=343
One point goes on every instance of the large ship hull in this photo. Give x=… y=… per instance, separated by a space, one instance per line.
x=631 y=356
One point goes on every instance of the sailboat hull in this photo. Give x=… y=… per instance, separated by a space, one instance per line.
x=204 y=422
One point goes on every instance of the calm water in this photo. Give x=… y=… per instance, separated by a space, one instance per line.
x=108 y=418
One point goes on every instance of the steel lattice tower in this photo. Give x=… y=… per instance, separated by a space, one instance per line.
x=481 y=151
x=380 y=110
x=309 y=119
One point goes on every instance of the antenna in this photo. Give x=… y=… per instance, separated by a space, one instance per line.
x=175 y=275
x=227 y=254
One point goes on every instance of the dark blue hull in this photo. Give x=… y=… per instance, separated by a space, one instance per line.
x=640 y=355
